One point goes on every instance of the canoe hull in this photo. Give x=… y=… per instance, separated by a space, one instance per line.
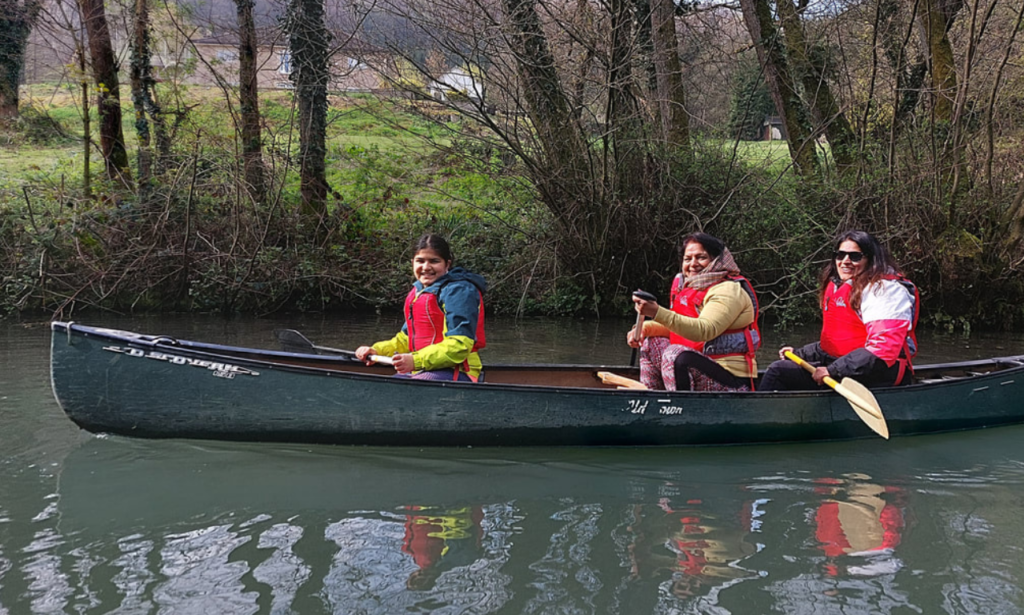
x=124 y=383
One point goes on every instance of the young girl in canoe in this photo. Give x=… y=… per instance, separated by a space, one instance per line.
x=869 y=314
x=444 y=319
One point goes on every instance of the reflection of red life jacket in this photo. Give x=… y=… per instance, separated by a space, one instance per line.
x=422 y=539
x=692 y=557
x=734 y=342
x=843 y=330
x=426 y=536
x=425 y=322
x=832 y=537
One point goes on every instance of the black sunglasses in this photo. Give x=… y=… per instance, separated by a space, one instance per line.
x=855 y=257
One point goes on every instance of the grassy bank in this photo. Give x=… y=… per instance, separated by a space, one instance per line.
x=193 y=240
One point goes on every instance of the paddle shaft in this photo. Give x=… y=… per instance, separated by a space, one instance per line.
x=638 y=330
x=638 y=336
x=376 y=358
x=292 y=338
x=829 y=380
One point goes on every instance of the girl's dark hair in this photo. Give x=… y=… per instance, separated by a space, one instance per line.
x=879 y=264
x=433 y=242
x=713 y=245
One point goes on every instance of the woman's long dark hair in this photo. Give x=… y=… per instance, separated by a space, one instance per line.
x=436 y=243
x=879 y=264
x=712 y=245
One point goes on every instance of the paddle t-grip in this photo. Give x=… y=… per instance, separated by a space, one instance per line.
x=639 y=329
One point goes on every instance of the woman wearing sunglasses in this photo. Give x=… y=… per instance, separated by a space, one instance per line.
x=869 y=312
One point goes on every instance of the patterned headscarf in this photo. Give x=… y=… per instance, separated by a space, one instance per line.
x=716 y=271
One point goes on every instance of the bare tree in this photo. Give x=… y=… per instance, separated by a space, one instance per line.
x=309 y=40
x=147 y=110
x=770 y=52
x=811 y=67
x=671 y=96
x=249 y=102
x=104 y=68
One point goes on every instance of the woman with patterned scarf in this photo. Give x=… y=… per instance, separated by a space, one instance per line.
x=707 y=338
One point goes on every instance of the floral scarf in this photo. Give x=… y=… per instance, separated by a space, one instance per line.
x=719 y=269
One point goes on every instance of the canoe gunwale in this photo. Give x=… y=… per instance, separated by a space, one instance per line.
x=1006 y=365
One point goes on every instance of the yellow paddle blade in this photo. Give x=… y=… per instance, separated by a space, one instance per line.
x=864 y=404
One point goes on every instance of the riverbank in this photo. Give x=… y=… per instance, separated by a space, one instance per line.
x=194 y=240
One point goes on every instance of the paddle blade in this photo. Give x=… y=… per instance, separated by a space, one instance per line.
x=293 y=341
x=864 y=404
x=622 y=381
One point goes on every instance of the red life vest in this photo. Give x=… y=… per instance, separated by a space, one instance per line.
x=425 y=323
x=843 y=330
x=734 y=342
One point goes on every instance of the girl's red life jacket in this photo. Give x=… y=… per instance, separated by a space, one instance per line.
x=734 y=342
x=425 y=321
x=843 y=330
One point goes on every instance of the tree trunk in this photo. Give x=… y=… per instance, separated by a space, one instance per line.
x=1015 y=220
x=563 y=173
x=936 y=20
x=560 y=136
x=148 y=114
x=625 y=128
x=675 y=123
x=816 y=88
x=16 y=21
x=309 y=39
x=86 y=122
x=108 y=101
x=140 y=74
x=249 y=102
x=758 y=18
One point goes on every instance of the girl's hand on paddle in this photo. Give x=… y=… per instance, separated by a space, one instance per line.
x=648 y=308
x=363 y=353
x=819 y=374
x=631 y=338
x=404 y=363
x=784 y=350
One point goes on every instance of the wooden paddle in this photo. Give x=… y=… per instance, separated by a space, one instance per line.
x=293 y=341
x=639 y=327
x=860 y=398
x=621 y=381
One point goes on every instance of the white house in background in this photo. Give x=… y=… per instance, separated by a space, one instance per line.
x=456 y=83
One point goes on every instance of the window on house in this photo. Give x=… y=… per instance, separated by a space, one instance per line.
x=285 y=58
x=353 y=63
x=225 y=55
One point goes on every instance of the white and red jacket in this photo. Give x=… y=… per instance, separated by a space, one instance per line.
x=883 y=326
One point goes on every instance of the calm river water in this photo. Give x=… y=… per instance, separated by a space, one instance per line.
x=97 y=524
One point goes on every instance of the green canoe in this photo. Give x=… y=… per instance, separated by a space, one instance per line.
x=153 y=386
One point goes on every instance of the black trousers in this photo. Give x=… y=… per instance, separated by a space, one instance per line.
x=786 y=375
x=688 y=360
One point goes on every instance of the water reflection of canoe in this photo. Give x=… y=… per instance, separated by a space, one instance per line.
x=119 y=483
x=160 y=387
